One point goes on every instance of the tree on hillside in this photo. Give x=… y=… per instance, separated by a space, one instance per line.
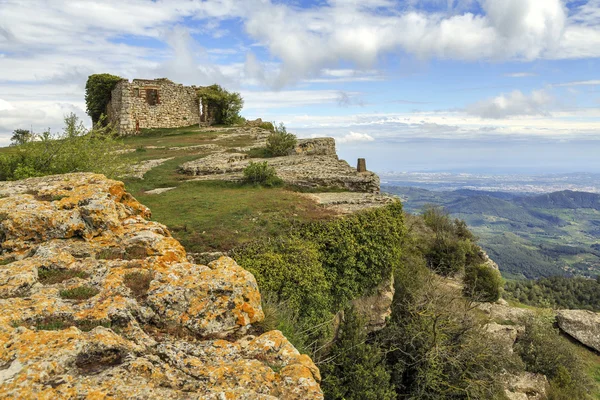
x=20 y=136
x=97 y=94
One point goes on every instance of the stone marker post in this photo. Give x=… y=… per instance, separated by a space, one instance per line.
x=362 y=165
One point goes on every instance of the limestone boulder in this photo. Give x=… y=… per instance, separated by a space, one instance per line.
x=99 y=302
x=526 y=386
x=504 y=335
x=582 y=325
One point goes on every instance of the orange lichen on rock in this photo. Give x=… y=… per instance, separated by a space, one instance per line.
x=73 y=326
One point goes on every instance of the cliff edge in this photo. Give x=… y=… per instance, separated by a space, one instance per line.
x=99 y=302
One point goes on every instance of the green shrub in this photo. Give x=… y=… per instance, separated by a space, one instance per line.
x=74 y=150
x=261 y=173
x=319 y=267
x=98 y=90
x=451 y=247
x=482 y=283
x=280 y=142
x=291 y=271
x=546 y=352
x=354 y=368
x=227 y=104
x=436 y=347
x=268 y=126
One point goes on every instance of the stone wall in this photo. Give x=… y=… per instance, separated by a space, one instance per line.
x=158 y=103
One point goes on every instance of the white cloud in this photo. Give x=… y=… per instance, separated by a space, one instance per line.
x=46 y=55
x=520 y=74
x=354 y=137
x=259 y=100
x=579 y=83
x=512 y=104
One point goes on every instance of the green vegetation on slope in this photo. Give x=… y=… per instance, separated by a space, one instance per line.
x=310 y=266
x=98 y=90
x=529 y=237
x=76 y=149
x=557 y=292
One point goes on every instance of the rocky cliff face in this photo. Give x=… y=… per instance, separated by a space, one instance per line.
x=582 y=325
x=313 y=164
x=99 y=302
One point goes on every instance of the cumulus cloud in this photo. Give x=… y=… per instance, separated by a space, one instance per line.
x=354 y=137
x=512 y=104
x=64 y=41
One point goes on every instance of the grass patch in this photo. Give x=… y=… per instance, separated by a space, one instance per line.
x=79 y=293
x=259 y=152
x=51 y=276
x=7 y=261
x=138 y=283
x=111 y=253
x=211 y=216
x=218 y=216
x=54 y=323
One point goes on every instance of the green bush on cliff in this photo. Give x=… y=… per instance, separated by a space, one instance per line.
x=74 y=150
x=280 y=142
x=451 y=248
x=545 y=351
x=435 y=343
x=261 y=173
x=482 y=283
x=355 y=369
x=319 y=267
x=98 y=90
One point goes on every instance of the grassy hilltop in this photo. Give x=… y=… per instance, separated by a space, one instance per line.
x=311 y=264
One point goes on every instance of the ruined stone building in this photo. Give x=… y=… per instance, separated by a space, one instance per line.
x=158 y=103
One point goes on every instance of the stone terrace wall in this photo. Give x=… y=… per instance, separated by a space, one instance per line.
x=176 y=105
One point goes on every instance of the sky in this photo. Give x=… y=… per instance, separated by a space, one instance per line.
x=494 y=86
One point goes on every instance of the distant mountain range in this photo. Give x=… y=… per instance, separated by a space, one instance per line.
x=528 y=236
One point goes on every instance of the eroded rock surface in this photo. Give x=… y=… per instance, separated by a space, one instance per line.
x=314 y=164
x=526 y=386
x=582 y=325
x=351 y=202
x=98 y=302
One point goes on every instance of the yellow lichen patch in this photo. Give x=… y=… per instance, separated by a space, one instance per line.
x=55 y=345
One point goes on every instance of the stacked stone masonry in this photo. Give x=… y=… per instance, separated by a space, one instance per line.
x=158 y=103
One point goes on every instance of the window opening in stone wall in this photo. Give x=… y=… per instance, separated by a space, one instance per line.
x=136 y=92
x=152 y=97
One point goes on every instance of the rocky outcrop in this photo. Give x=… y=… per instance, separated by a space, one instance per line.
x=583 y=326
x=99 y=302
x=351 y=202
x=376 y=308
x=309 y=171
x=504 y=335
x=504 y=313
x=526 y=386
x=316 y=147
x=312 y=164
